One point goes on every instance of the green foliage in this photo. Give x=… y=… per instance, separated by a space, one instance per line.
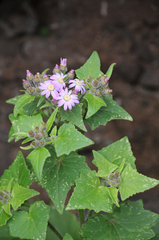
x=57 y=167
x=130 y=221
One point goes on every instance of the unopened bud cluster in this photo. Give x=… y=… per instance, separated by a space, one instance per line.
x=99 y=86
x=39 y=135
x=32 y=82
x=114 y=179
x=5 y=196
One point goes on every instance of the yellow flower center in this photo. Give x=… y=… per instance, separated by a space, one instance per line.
x=78 y=83
x=67 y=98
x=50 y=87
x=60 y=80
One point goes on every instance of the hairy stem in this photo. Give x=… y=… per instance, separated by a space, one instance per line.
x=55 y=231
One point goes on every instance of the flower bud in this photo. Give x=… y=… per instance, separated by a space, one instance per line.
x=29 y=75
x=36 y=129
x=38 y=136
x=113 y=184
x=98 y=93
x=95 y=83
x=5 y=196
x=56 y=69
x=30 y=90
x=63 y=64
x=37 y=91
x=43 y=133
x=34 y=144
x=26 y=84
x=36 y=80
x=71 y=74
x=90 y=78
x=107 y=91
x=111 y=176
x=116 y=174
x=45 y=76
x=31 y=134
x=43 y=126
x=42 y=143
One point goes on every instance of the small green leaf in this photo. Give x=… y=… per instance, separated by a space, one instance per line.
x=90 y=68
x=51 y=119
x=20 y=194
x=69 y=139
x=30 y=225
x=118 y=152
x=18 y=171
x=67 y=237
x=45 y=71
x=114 y=195
x=3 y=216
x=130 y=221
x=110 y=70
x=105 y=114
x=22 y=101
x=59 y=174
x=74 y=116
x=13 y=100
x=134 y=182
x=94 y=104
x=89 y=194
x=27 y=140
x=104 y=166
x=54 y=131
x=26 y=148
x=38 y=157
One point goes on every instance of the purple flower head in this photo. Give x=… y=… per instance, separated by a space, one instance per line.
x=78 y=85
x=49 y=89
x=67 y=99
x=63 y=62
x=28 y=73
x=106 y=79
x=58 y=80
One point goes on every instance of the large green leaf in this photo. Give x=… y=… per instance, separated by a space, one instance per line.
x=74 y=116
x=59 y=174
x=13 y=100
x=22 y=101
x=105 y=114
x=18 y=171
x=38 y=157
x=104 y=166
x=70 y=139
x=23 y=124
x=20 y=194
x=65 y=223
x=90 y=68
x=89 y=194
x=119 y=151
x=30 y=225
x=94 y=104
x=130 y=221
x=134 y=182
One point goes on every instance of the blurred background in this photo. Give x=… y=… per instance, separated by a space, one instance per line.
x=34 y=34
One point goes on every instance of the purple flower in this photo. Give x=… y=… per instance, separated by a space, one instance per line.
x=67 y=99
x=59 y=80
x=78 y=85
x=63 y=62
x=49 y=88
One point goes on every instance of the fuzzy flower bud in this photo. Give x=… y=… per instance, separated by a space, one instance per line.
x=42 y=143
x=56 y=69
x=30 y=90
x=36 y=129
x=45 y=76
x=31 y=134
x=36 y=80
x=38 y=136
x=107 y=91
x=95 y=83
x=34 y=144
x=71 y=74
x=98 y=93
x=29 y=75
x=5 y=196
x=63 y=64
x=26 y=84
x=43 y=126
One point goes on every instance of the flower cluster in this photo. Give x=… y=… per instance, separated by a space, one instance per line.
x=114 y=179
x=59 y=83
x=39 y=135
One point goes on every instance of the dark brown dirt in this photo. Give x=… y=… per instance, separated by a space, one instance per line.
x=35 y=34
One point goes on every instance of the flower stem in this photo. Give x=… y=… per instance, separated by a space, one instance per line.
x=55 y=231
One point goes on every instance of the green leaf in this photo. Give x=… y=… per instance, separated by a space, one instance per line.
x=29 y=108
x=30 y=225
x=3 y=216
x=90 y=68
x=105 y=114
x=26 y=148
x=113 y=192
x=41 y=99
x=110 y=70
x=5 y=234
x=38 y=157
x=89 y=194
x=118 y=152
x=74 y=116
x=65 y=223
x=67 y=237
x=22 y=101
x=69 y=139
x=11 y=136
x=134 y=182
x=104 y=166
x=54 y=131
x=51 y=119
x=59 y=175
x=94 y=104
x=13 y=100
x=130 y=221
x=155 y=228
x=18 y=171
x=20 y=194
x=23 y=124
